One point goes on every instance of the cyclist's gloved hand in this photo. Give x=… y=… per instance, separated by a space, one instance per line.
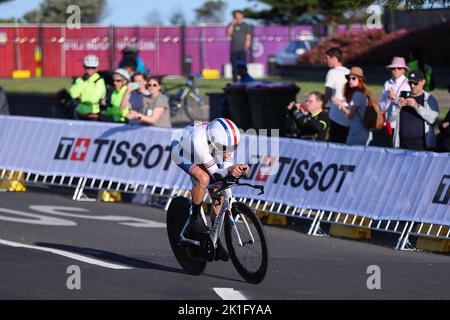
x=218 y=177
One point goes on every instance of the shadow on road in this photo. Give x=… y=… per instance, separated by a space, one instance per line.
x=120 y=259
x=110 y=257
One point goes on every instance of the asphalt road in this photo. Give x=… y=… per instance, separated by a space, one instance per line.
x=131 y=259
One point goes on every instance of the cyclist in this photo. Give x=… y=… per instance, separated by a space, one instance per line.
x=205 y=152
x=89 y=89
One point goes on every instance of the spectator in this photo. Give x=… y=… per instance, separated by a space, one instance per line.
x=242 y=72
x=241 y=39
x=89 y=90
x=354 y=107
x=417 y=63
x=444 y=135
x=130 y=66
x=156 y=107
x=116 y=109
x=390 y=96
x=415 y=116
x=334 y=88
x=4 y=107
x=137 y=91
x=132 y=53
x=311 y=122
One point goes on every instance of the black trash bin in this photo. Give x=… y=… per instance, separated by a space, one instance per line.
x=238 y=105
x=268 y=104
x=217 y=105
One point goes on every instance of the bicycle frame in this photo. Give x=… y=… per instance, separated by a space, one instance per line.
x=214 y=235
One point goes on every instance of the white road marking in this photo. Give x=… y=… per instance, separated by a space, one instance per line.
x=32 y=218
x=229 y=294
x=127 y=221
x=66 y=254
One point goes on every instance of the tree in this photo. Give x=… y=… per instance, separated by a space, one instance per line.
x=339 y=11
x=177 y=18
x=55 y=11
x=154 y=17
x=211 y=12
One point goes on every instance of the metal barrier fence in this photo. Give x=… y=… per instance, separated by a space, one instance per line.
x=404 y=229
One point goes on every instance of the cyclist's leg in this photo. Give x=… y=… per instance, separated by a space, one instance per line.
x=215 y=207
x=201 y=182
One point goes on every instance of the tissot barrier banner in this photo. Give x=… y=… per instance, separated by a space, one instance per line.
x=379 y=183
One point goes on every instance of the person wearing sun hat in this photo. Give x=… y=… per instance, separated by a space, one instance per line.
x=415 y=115
x=354 y=107
x=391 y=93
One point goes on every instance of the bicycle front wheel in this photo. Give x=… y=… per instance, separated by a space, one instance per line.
x=195 y=107
x=250 y=254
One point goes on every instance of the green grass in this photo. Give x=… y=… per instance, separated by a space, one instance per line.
x=42 y=86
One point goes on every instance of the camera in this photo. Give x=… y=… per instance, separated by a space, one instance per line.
x=405 y=94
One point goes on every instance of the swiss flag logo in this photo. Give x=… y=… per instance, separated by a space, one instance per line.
x=80 y=149
x=266 y=168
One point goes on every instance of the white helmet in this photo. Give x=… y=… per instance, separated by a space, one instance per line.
x=123 y=73
x=91 y=61
x=223 y=135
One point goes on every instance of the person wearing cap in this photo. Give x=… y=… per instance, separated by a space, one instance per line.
x=89 y=90
x=354 y=106
x=116 y=109
x=415 y=115
x=132 y=52
x=391 y=93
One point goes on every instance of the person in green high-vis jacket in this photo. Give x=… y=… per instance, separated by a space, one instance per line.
x=89 y=90
x=417 y=63
x=116 y=108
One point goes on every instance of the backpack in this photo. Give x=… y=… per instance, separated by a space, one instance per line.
x=374 y=117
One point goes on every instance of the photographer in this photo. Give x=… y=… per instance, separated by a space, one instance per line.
x=415 y=113
x=310 y=122
x=444 y=134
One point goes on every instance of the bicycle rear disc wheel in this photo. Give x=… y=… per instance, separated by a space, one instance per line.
x=250 y=259
x=195 y=107
x=177 y=215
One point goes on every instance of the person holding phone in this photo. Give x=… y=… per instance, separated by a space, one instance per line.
x=391 y=93
x=240 y=34
x=309 y=120
x=415 y=115
x=155 y=111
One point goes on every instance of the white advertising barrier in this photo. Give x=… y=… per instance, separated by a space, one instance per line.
x=383 y=184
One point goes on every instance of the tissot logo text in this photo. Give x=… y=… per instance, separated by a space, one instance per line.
x=113 y=152
x=442 y=195
x=64 y=148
